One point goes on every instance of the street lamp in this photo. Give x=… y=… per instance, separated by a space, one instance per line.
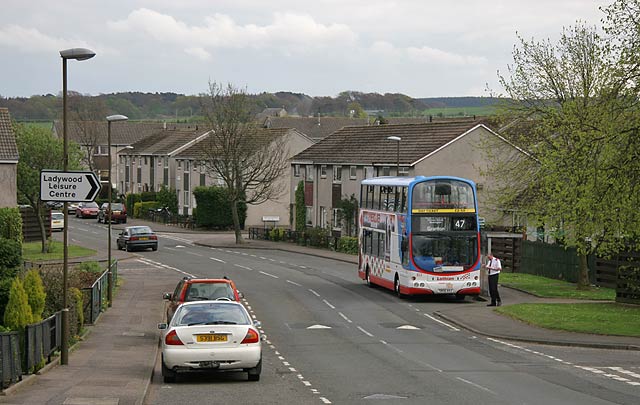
x=77 y=54
x=397 y=139
x=110 y=119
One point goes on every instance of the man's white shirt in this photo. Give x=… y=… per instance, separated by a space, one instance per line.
x=494 y=266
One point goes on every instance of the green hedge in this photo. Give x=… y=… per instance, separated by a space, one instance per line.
x=214 y=208
x=348 y=244
x=11 y=224
x=140 y=208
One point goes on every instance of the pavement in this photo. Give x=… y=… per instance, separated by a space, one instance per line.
x=114 y=363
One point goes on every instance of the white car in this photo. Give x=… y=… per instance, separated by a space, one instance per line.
x=211 y=336
x=57 y=221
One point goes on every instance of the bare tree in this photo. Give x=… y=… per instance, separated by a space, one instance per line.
x=250 y=161
x=87 y=120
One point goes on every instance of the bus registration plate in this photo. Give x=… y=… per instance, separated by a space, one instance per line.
x=211 y=338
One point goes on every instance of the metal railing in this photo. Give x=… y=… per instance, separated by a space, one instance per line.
x=41 y=340
x=97 y=294
x=11 y=370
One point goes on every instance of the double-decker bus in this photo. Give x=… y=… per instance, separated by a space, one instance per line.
x=420 y=235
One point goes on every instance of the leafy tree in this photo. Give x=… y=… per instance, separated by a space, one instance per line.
x=300 y=208
x=18 y=314
x=248 y=160
x=355 y=110
x=569 y=113
x=39 y=150
x=36 y=295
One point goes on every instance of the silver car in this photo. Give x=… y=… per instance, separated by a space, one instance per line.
x=211 y=336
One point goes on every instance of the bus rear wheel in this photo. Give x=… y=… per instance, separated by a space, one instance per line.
x=368 y=278
x=396 y=287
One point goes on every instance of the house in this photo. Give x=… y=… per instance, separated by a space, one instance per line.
x=150 y=163
x=92 y=137
x=316 y=128
x=191 y=173
x=332 y=169
x=8 y=161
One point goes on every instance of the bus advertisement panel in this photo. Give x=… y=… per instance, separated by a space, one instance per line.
x=420 y=235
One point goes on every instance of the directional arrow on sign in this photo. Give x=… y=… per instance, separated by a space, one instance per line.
x=68 y=186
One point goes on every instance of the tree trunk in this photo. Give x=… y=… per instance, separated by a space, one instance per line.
x=236 y=222
x=583 y=276
x=43 y=232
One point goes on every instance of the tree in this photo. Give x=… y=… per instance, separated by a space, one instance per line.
x=348 y=211
x=300 y=208
x=570 y=115
x=248 y=160
x=87 y=119
x=18 y=314
x=168 y=198
x=36 y=295
x=39 y=150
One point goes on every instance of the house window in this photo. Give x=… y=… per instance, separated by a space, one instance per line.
x=139 y=160
x=404 y=171
x=145 y=160
x=386 y=171
x=323 y=171
x=368 y=172
x=352 y=172
x=337 y=173
x=186 y=199
x=179 y=164
x=309 y=173
x=337 y=219
x=309 y=216
x=296 y=170
x=102 y=150
x=166 y=161
x=187 y=165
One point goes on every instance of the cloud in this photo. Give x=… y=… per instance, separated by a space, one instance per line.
x=435 y=56
x=286 y=31
x=30 y=40
x=198 y=53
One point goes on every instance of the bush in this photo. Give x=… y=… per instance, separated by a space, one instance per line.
x=35 y=293
x=300 y=208
x=132 y=198
x=214 y=208
x=140 y=209
x=168 y=198
x=147 y=196
x=11 y=224
x=18 y=314
x=10 y=257
x=276 y=234
x=317 y=236
x=348 y=244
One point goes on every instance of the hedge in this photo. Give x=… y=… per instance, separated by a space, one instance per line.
x=214 y=208
x=11 y=224
x=140 y=208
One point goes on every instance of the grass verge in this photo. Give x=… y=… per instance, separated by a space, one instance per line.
x=33 y=251
x=596 y=318
x=550 y=288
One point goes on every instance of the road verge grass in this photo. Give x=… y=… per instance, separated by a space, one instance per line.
x=32 y=251
x=604 y=318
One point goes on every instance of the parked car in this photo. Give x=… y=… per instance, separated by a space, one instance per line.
x=137 y=237
x=118 y=213
x=201 y=289
x=54 y=205
x=211 y=336
x=57 y=221
x=87 y=210
x=72 y=207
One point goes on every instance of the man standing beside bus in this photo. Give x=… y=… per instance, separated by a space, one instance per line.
x=494 y=267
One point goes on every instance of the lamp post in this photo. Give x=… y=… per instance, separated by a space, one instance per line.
x=397 y=139
x=77 y=54
x=110 y=119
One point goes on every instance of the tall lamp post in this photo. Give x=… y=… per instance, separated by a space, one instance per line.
x=110 y=119
x=77 y=54
x=397 y=139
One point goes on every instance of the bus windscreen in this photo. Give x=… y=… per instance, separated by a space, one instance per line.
x=442 y=196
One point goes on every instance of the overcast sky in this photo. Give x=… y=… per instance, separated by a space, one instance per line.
x=422 y=48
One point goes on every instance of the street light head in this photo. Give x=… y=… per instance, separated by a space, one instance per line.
x=394 y=138
x=117 y=117
x=77 y=54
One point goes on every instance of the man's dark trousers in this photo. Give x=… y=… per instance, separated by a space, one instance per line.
x=493 y=288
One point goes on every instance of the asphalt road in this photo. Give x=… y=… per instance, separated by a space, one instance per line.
x=332 y=339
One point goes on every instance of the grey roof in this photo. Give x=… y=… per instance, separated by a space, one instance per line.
x=369 y=144
x=165 y=141
x=122 y=133
x=315 y=128
x=8 y=146
x=263 y=135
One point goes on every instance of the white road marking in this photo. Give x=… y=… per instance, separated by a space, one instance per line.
x=345 y=317
x=314 y=293
x=294 y=283
x=217 y=260
x=441 y=322
x=267 y=274
x=243 y=267
x=365 y=332
x=329 y=304
x=475 y=385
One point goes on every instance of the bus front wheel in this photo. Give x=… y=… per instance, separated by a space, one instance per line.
x=396 y=287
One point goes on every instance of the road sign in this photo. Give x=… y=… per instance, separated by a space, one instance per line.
x=68 y=186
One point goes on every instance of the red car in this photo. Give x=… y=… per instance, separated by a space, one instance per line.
x=201 y=289
x=87 y=210
x=118 y=215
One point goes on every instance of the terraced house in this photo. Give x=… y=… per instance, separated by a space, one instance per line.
x=332 y=169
